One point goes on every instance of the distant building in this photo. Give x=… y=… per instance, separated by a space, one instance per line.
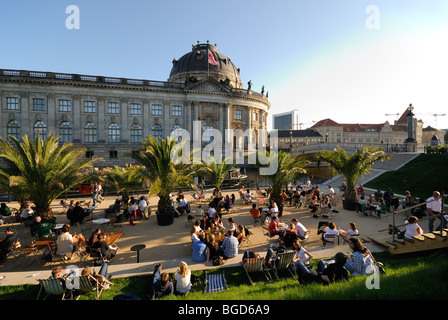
x=286 y=120
x=371 y=134
x=297 y=138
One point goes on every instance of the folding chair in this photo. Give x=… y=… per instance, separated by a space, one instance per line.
x=53 y=287
x=252 y=265
x=88 y=283
x=215 y=282
x=283 y=260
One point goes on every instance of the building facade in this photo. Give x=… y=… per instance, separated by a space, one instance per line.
x=111 y=116
x=286 y=120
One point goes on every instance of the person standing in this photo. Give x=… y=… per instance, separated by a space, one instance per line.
x=96 y=192
x=434 y=208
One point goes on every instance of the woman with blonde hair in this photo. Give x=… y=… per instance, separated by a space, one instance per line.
x=183 y=279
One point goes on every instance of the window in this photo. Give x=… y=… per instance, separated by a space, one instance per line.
x=136 y=108
x=38 y=104
x=89 y=106
x=176 y=111
x=113 y=133
x=13 y=129
x=65 y=105
x=157 y=130
x=90 y=133
x=12 y=103
x=136 y=133
x=156 y=110
x=113 y=107
x=66 y=132
x=40 y=128
x=254 y=116
x=238 y=114
x=207 y=136
x=113 y=154
x=89 y=154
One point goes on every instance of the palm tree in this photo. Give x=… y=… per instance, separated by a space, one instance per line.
x=287 y=167
x=216 y=170
x=161 y=172
x=352 y=167
x=125 y=180
x=45 y=169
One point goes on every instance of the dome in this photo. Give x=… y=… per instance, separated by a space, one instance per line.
x=195 y=66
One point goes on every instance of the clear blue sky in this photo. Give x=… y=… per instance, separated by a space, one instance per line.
x=319 y=57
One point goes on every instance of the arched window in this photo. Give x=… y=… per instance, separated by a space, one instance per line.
x=66 y=132
x=114 y=133
x=40 y=128
x=136 y=133
x=157 y=131
x=90 y=133
x=13 y=129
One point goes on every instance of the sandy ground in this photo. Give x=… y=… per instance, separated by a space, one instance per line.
x=171 y=244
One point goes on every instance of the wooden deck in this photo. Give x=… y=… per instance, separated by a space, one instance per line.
x=427 y=241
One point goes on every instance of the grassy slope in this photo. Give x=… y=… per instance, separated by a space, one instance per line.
x=420 y=176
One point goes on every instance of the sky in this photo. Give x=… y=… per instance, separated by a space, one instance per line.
x=353 y=61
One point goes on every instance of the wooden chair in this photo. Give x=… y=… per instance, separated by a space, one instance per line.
x=88 y=283
x=329 y=238
x=282 y=263
x=252 y=265
x=52 y=287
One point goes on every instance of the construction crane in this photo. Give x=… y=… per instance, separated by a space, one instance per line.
x=435 y=115
x=393 y=114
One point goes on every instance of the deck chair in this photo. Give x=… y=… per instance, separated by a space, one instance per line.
x=215 y=282
x=282 y=263
x=252 y=265
x=88 y=283
x=52 y=287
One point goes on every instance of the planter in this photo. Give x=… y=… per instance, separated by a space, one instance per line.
x=349 y=205
x=165 y=219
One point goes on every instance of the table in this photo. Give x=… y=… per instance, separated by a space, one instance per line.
x=138 y=248
x=57 y=228
x=219 y=235
x=112 y=236
x=33 y=252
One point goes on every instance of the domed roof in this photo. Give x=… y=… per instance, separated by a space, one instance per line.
x=196 y=64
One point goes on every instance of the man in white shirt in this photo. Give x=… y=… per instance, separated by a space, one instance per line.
x=434 y=208
x=330 y=191
x=302 y=231
x=142 y=206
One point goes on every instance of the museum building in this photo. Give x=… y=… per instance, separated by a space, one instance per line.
x=111 y=116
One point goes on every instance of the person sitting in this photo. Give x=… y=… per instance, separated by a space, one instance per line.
x=273 y=209
x=211 y=212
x=301 y=259
x=183 y=279
x=194 y=235
x=229 y=248
x=240 y=233
x=326 y=273
x=101 y=276
x=93 y=238
x=205 y=223
x=27 y=213
x=183 y=205
x=231 y=225
x=67 y=244
x=107 y=251
x=302 y=231
x=201 y=253
x=213 y=249
x=273 y=228
x=289 y=235
x=330 y=191
x=161 y=285
x=314 y=206
x=217 y=223
x=248 y=196
x=78 y=214
x=361 y=262
x=241 y=192
x=41 y=228
x=227 y=204
x=412 y=229
x=57 y=273
x=5 y=211
x=7 y=242
x=330 y=232
x=255 y=213
x=351 y=232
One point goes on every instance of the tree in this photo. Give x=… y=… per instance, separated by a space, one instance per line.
x=125 y=180
x=288 y=167
x=161 y=171
x=352 y=167
x=45 y=169
x=216 y=171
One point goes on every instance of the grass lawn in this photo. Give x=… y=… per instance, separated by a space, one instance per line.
x=409 y=277
x=421 y=176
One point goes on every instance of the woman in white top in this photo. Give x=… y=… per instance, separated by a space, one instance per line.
x=412 y=228
x=330 y=231
x=232 y=225
x=183 y=279
x=302 y=258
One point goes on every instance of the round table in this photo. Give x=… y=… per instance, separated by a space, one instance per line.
x=138 y=248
